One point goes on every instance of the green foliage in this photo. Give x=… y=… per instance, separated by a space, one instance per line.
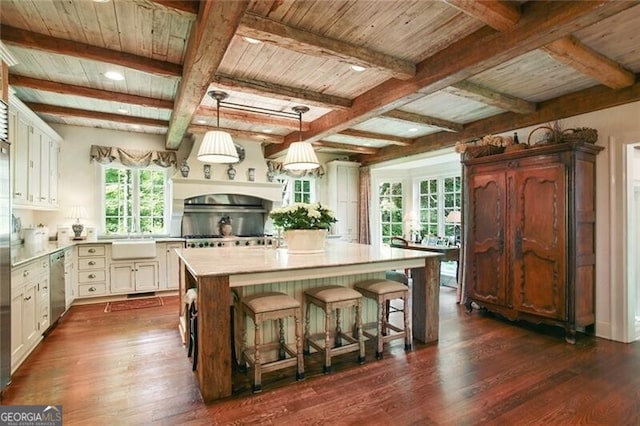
x=303 y=216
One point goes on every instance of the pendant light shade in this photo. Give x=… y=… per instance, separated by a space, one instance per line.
x=217 y=146
x=301 y=155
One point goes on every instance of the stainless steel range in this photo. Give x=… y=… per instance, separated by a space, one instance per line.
x=204 y=217
x=199 y=241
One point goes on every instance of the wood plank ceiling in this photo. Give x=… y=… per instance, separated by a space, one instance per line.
x=434 y=72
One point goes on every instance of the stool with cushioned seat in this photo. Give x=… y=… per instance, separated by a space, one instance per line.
x=330 y=299
x=263 y=307
x=191 y=313
x=383 y=291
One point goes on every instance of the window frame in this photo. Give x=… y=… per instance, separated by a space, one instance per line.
x=444 y=229
x=384 y=239
x=289 y=190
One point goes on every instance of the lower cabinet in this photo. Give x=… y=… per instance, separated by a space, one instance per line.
x=128 y=277
x=30 y=308
x=172 y=266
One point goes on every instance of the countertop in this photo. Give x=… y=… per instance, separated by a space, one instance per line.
x=20 y=254
x=203 y=262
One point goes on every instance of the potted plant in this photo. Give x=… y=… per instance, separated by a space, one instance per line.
x=305 y=226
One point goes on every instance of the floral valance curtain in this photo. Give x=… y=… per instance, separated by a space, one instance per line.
x=131 y=157
x=277 y=168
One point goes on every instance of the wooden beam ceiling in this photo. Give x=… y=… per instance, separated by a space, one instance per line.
x=541 y=23
x=487 y=96
x=410 y=117
x=499 y=15
x=305 y=42
x=252 y=117
x=254 y=136
x=204 y=53
x=30 y=40
x=87 y=92
x=94 y=115
x=390 y=139
x=356 y=149
x=581 y=102
x=277 y=91
x=570 y=51
x=189 y=6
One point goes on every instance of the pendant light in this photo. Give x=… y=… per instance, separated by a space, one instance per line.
x=217 y=146
x=301 y=155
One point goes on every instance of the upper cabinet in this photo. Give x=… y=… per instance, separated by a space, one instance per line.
x=342 y=190
x=34 y=159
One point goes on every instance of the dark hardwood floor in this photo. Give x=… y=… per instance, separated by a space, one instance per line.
x=130 y=368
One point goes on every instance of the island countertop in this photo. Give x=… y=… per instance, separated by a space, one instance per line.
x=214 y=271
x=241 y=262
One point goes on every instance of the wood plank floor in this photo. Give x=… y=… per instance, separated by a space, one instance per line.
x=130 y=368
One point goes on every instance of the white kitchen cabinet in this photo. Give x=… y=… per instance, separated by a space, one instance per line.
x=172 y=266
x=30 y=307
x=92 y=270
x=34 y=157
x=343 y=179
x=128 y=277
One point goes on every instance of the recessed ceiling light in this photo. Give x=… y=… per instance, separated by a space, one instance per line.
x=267 y=131
x=135 y=126
x=358 y=68
x=413 y=129
x=123 y=111
x=201 y=121
x=101 y=1
x=114 y=75
x=251 y=40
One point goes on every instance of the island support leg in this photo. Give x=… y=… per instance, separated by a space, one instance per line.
x=426 y=300
x=214 y=334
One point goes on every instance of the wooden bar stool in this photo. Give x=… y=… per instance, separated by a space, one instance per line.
x=383 y=291
x=329 y=299
x=265 y=307
x=191 y=312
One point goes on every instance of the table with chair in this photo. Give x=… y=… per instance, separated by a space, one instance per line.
x=271 y=286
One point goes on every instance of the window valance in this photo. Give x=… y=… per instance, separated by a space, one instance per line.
x=277 y=168
x=131 y=157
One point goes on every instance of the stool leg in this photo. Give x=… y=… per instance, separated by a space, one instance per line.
x=361 y=358
x=300 y=372
x=282 y=354
x=408 y=337
x=327 y=341
x=381 y=328
x=338 y=339
x=307 y=328
x=194 y=365
x=257 y=368
x=243 y=346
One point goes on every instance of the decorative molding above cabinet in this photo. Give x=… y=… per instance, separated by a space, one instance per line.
x=35 y=150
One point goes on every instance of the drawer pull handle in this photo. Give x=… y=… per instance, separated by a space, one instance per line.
x=92 y=289
x=92 y=276
x=92 y=250
x=92 y=263
x=25 y=274
x=27 y=298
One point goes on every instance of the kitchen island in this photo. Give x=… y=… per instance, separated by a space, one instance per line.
x=216 y=271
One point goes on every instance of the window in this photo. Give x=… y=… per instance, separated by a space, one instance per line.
x=135 y=200
x=298 y=191
x=390 y=202
x=437 y=198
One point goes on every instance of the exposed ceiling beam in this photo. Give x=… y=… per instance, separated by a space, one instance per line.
x=394 y=140
x=542 y=22
x=499 y=15
x=264 y=88
x=588 y=100
x=94 y=115
x=189 y=6
x=252 y=117
x=570 y=51
x=410 y=117
x=468 y=90
x=244 y=134
x=305 y=42
x=30 y=40
x=345 y=147
x=87 y=92
x=204 y=53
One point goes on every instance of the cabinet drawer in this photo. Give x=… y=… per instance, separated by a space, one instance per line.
x=25 y=273
x=91 y=263
x=91 y=276
x=91 y=251
x=85 y=290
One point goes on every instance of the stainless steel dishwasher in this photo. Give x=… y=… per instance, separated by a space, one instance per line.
x=57 y=285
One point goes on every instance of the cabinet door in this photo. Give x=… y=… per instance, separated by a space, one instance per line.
x=30 y=314
x=44 y=304
x=173 y=266
x=18 y=344
x=33 y=181
x=486 y=273
x=146 y=276
x=20 y=153
x=121 y=278
x=44 y=170
x=538 y=222
x=54 y=150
